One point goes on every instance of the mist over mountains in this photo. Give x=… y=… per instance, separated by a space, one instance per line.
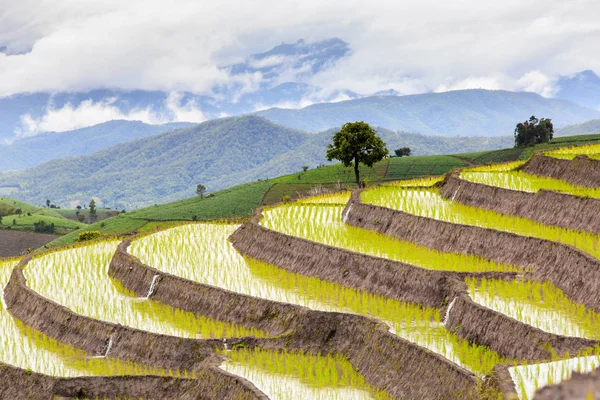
x=279 y=78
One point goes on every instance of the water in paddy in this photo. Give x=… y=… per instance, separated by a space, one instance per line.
x=323 y=223
x=517 y=180
x=25 y=348
x=529 y=378
x=202 y=253
x=538 y=304
x=78 y=278
x=429 y=203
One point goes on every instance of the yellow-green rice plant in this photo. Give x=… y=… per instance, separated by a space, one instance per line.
x=539 y=304
x=504 y=167
x=418 y=324
x=203 y=254
x=25 y=348
x=293 y=375
x=568 y=153
x=429 y=203
x=327 y=198
x=323 y=224
x=518 y=180
x=78 y=279
x=418 y=182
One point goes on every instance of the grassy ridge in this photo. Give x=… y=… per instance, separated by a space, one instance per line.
x=240 y=201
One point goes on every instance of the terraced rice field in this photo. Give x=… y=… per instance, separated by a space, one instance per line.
x=428 y=203
x=506 y=176
x=311 y=332
x=568 y=153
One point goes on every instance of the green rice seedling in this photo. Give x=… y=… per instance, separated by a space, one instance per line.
x=529 y=378
x=77 y=278
x=518 y=180
x=539 y=304
x=201 y=253
x=25 y=348
x=429 y=203
x=294 y=375
x=503 y=167
x=323 y=224
x=568 y=153
x=420 y=182
x=329 y=198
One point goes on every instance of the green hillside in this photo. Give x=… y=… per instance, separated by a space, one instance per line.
x=219 y=154
x=239 y=202
x=21 y=216
x=31 y=151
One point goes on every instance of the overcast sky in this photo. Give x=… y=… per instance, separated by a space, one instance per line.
x=411 y=46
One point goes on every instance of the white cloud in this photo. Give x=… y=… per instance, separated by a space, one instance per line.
x=88 y=112
x=538 y=82
x=410 y=46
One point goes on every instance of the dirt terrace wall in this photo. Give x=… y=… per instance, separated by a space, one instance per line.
x=547 y=207
x=581 y=171
x=216 y=303
x=580 y=386
x=376 y=275
x=571 y=270
x=507 y=336
x=522 y=341
x=16 y=383
x=93 y=336
x=390 y=363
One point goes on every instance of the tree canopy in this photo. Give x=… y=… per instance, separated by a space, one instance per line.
x=402 y=151
x=533 y=131
x=200 y=189
x=356 y=143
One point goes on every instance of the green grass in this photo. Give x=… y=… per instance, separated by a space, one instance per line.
x=240 y=201
x=25 y=222
x=8 y=206
x=577 y=138
x=401 y=168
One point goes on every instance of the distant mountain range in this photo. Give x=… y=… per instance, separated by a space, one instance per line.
x=218 y=154
x=281 y=78
x=585 y=128
x=465 y=112
x=31 y=151
x=582 y=88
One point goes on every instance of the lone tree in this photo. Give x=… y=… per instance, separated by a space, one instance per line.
x=93 y=213
x=200 y=189
x=402 y=151
x=356 y=143
x=534 y=131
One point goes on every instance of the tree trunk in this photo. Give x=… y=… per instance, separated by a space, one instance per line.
x=356 y=173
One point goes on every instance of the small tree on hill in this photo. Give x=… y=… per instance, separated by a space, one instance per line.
x=48 y=203
x=93 y=213
x=356 y=143
x=200 y=189
x=402 y=151
x=534 y=131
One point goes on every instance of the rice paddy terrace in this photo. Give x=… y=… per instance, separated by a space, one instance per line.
x=481 y=284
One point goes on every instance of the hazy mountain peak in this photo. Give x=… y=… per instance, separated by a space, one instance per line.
x=582 y=88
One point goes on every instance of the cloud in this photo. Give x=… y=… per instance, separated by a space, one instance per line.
x=538 y=82
x=410 y=46
x=88 y=112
